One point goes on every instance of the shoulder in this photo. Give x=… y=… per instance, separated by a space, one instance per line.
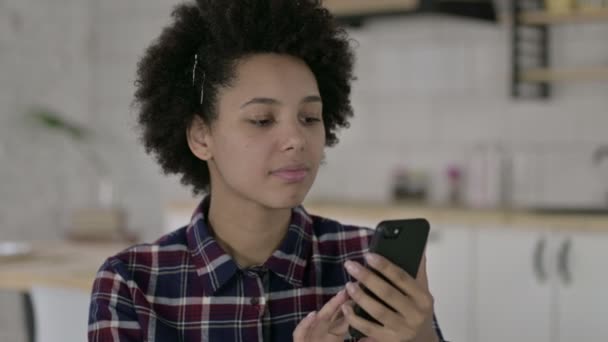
x=139 y=262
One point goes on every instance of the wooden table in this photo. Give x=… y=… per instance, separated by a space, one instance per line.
x=56 y=264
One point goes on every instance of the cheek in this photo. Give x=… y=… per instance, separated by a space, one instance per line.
x=243 y=154
x=318 y=141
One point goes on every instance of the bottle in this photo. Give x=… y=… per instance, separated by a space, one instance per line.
x=489 y=183
x=400 y=183
x=454 y=177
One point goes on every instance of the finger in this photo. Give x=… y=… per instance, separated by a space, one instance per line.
x=302 y=331
x=333 y=306
x=422 y=277
x=402 y=280
x=338 y=315
x=380 y=287
x=366 y=327
x=339 y=327
x=388 y=318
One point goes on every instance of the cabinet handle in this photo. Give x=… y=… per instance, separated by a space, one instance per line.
x=539 y=250
x=563 y=266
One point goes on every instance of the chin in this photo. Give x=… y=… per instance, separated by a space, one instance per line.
x=286 y=200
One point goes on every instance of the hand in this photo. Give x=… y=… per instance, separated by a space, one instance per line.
x=413 y=319
x=327 y=325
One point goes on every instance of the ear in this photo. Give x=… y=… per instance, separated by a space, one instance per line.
x=199 y=139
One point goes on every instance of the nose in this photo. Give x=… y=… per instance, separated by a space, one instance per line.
x=293 y=136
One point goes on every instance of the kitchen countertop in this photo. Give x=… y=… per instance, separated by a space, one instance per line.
x=373 y=212
x=74 y=264
x=65 y=264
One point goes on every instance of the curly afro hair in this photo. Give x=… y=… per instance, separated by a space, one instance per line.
x=219 y=33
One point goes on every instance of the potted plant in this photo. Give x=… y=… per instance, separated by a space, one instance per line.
x=104 y=220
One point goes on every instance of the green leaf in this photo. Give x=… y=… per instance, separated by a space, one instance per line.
x=54 y=121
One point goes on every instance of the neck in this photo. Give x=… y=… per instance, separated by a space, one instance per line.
x=248 y=231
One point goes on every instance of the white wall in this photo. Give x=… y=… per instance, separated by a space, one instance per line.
x=79 y=58
x=432 y=89
x=429 y=89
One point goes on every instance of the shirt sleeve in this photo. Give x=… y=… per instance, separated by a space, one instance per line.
x=112 y=315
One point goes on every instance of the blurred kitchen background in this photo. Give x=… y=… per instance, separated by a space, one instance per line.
x=496 y=128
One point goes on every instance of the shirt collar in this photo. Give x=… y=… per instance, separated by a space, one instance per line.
x=216 y=267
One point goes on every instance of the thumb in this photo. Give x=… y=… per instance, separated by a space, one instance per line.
x=422 y=277
x=302 y=331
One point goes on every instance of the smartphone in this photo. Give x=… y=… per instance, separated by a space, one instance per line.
x=402 y=242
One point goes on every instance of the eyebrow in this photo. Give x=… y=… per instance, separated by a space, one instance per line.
x=271 y=101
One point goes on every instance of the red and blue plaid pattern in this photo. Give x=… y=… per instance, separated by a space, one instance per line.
x=184 y=287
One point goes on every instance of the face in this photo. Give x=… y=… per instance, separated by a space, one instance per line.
x=268 y=139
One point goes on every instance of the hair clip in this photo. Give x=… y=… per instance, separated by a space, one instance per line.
x=194 y=78
x=194 y=68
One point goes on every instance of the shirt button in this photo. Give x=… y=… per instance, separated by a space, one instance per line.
x=254 y=301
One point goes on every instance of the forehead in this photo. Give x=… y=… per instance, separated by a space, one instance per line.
x=274 y=75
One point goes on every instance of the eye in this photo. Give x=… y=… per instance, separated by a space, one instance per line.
x=311 y=118
x=262 y=122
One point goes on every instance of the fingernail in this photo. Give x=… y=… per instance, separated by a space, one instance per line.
x=311 y=314
x=372 y=259
x=340 y=293
x=351 y=267
x=351 y=288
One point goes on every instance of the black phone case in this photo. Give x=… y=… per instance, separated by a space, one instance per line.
x=402 y=242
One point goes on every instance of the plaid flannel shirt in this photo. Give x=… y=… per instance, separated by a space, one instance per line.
x=184 y=287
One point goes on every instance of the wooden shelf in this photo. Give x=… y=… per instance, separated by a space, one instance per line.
x=566 y=74
x=360 y=7
x=547 y=18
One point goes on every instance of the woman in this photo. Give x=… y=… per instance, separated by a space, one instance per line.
x=240 y=98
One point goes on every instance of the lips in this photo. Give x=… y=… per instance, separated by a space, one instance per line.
x=292 y=174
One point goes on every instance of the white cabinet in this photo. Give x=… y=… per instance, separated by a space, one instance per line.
x=582 y=287
x=513 y=285
x=450 y=273
x=541 y=285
